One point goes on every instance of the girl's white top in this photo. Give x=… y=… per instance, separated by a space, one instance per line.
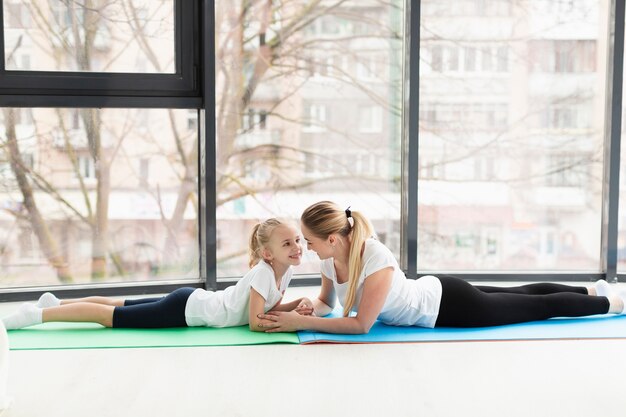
x=230 y=307
x=409 y=302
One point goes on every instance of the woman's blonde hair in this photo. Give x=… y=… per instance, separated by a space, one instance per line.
x=326 y=218
x=260 y=237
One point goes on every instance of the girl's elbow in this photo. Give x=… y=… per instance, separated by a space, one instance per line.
x=254 y=327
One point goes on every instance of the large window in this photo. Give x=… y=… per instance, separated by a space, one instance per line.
x=308 y=108
x=97 y=195
x=512 y=98
x=621 y=233
x=108 y=175
x=99 y=142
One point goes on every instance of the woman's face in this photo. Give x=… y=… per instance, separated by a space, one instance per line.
x=322 y=247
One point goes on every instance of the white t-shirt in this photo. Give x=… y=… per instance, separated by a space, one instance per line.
x=409 y=302
x=230 y=307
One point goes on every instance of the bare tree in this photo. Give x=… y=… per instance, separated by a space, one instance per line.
x=261 y=43
x=46 y=239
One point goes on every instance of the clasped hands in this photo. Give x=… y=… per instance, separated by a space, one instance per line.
x=286 y=321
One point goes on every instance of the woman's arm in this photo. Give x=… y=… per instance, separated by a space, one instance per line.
x=325 y=302
x=375 y=290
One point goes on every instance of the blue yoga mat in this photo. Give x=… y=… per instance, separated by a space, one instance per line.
x=597 y=327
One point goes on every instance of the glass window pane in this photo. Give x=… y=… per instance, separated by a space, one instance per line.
x=621 y=230
x=308 y=109
x=97 y=195
x=510 y=170
x=100 y=36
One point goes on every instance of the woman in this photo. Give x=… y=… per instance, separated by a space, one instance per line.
x=364 y=275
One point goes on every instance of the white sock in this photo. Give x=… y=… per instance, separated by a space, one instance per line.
x=603 y=288
x=622 y=296
x=27 y=315
x=48 y=300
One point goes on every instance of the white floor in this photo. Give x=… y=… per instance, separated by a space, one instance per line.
x=532 y=378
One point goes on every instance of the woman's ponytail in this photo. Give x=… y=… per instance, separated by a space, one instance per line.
x=361 y=231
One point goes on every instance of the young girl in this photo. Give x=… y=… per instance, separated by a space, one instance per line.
x=274 y=248
x=365 y=276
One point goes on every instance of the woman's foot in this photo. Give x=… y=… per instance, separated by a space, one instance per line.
x=622 y=296
x=27 y=315
x=603 y=288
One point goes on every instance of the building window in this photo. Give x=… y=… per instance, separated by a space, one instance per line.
x=17 y=15
x=470 y=59
x=86 y=167
x=144 y=171
x=567 y=170
x=486 y=58
x=503 y=58
x=452 y=58
x=562 y=56
x=484 y=168
x=436 y=58
x=76 y=119
x=262 y=120
x=314 y=117
x=192 y=120
x=370 y=119
x=577 y=115
x=254 y=119
x=455 y=58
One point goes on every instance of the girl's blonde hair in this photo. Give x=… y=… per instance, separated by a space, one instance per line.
x=260 y=237
x=326 y=218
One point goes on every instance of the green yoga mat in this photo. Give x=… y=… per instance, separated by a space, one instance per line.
x=94 y=336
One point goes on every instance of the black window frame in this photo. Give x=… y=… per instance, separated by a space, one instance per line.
x=612 y=141
x=182 y=89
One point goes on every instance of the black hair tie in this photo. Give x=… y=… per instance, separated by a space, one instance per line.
x=349 y=216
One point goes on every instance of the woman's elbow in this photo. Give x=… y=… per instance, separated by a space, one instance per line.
x=364 y=328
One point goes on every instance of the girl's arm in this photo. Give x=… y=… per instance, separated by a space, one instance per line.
x=287 y=306
x=375 y=290
x=256 y=308
x=321 y=306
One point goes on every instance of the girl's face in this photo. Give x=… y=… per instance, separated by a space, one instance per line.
x=322 y=247
x=284 y=246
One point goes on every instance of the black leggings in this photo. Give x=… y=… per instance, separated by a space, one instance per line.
x=465 y=305
x=153 y=313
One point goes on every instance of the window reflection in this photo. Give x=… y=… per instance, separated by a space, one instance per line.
x=511 y=125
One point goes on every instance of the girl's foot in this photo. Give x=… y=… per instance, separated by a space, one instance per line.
x=27 y=315
x=48 y=299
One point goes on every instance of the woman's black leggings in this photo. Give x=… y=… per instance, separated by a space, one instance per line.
x=153 y=313
x=465 y=305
